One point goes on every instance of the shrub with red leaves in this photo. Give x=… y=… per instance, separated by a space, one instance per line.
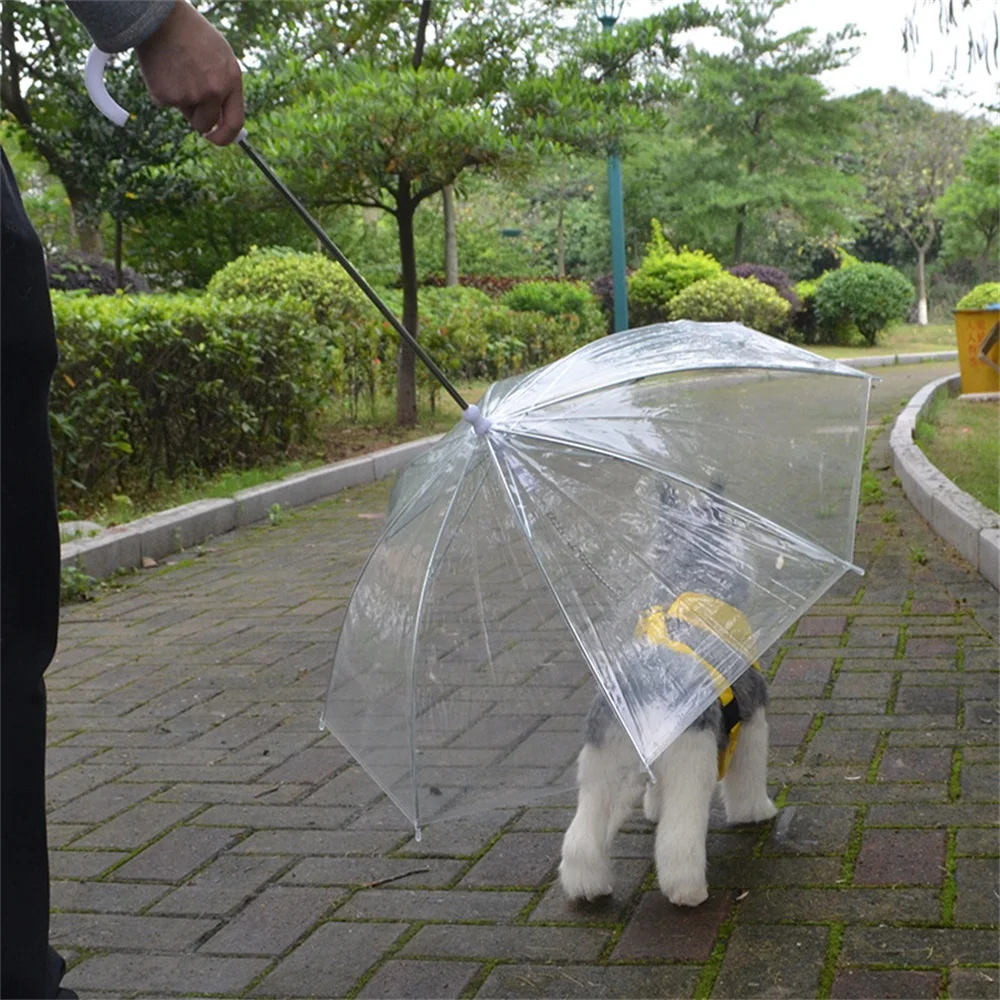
x=768 y=275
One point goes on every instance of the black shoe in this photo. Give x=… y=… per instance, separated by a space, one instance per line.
x=66 y=994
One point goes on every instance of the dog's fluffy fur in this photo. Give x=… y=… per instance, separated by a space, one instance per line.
x=611 y=779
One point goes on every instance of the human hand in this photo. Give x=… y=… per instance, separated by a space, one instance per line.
x=188 y=65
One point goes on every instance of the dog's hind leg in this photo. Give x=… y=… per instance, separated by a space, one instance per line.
x=744 y=788
x=610 y=784
x=686 y=778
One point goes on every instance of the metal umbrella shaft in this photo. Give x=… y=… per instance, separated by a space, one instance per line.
x=355 y=275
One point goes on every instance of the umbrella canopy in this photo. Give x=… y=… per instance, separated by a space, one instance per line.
x=695 y=466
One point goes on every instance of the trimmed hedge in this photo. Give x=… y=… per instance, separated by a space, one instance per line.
x=558 y=299
x=157 y=386
x=731 y=299
x=981 y=296
x=664 y=274
x=866 y=296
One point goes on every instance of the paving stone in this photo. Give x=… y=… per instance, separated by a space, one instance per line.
x=660 y=930
x=458 y=838
x=974 y=984
x=271 y=922
x=350 y=788
x=126 y=932
x=978 y=842
x=858 y=685
x=178 y=854
x=137 y=826
x=839 y=747
x=901 y=857
x=82 y=864
x=329 y=961
x=922 y=698
x=221 y=887
x=802 y=829
x=772 y=961
x=442 y=980
x=909 y=946
x=821 y=625
x=557 y=908
x=102 y=804
x=980 y=783
x=427 y=873
x=262 y=817
x=895 y=905
x=860 y=984
x=589 y=982
x=913 y=764
x=521 y=859
x=787 y=730
x=160 y=975
x=314 y=842
x=426 y=904
x=547 y=944
x=103 y=897
x=976 y=902
x=771 y=871
x=932 y=815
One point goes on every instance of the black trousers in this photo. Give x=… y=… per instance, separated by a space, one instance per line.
x=29 y=600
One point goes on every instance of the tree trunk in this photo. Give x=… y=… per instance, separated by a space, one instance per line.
x=922 y=250
x=450 y=237
x=921 y=288
x=738 y=242
x=406 y=385
x=561 y=241
x=87 y=224
x=119 y=283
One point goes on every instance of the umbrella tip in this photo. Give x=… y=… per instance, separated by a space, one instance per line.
x=480 y=424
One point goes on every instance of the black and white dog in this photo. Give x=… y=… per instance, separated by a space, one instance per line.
x=700 y=546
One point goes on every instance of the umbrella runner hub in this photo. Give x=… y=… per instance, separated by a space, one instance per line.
x=474 y=416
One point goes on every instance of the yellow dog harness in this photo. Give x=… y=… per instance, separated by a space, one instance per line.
x=724 y=622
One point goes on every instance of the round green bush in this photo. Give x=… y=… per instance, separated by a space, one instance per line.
x=664 y=274
x=981 y=296
x=270 y=273
x=868 y=296
x=727 y=298
x=557 y=298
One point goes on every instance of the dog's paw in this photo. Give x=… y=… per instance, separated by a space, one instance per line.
x=684 y=893
x=651 y=803
x=586 y=881
x=759 y=812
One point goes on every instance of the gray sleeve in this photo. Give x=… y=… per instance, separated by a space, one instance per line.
x=117 y=25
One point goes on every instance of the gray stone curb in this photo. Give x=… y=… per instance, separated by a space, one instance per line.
x=958 y=518
x=886 y=360
x=170 y=531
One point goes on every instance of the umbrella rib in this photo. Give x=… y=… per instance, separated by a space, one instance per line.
x=671 y=585
x=412 y=721
x=778 y=529
x=518 y=511
x=625 y=380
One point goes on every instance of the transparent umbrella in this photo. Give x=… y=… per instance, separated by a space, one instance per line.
x=683 y=462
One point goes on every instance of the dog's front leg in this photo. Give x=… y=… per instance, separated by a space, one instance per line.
x=686 y=776
x=609 y=789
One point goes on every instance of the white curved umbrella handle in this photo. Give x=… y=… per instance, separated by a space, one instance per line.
x=93 y=79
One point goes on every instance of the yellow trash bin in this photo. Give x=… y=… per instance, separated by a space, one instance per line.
x=978 y=335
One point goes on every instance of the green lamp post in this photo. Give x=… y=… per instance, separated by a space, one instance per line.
x=608 y=12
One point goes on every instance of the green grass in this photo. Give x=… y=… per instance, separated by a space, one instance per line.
x=904 y=338
x=962 y=439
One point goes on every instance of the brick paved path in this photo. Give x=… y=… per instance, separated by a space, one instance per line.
x=208 y=840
